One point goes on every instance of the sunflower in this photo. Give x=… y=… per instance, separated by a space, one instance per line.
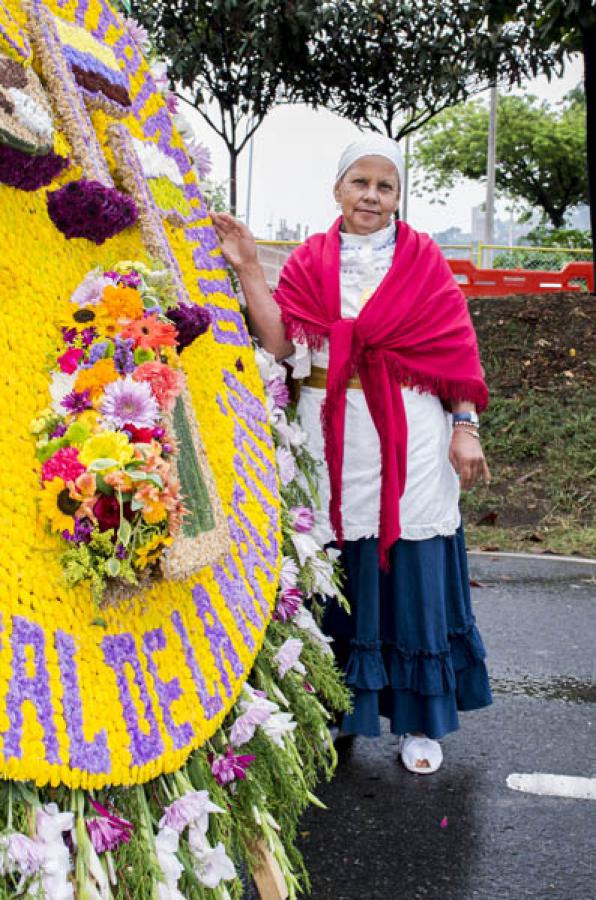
x=150 y=551
x=57 y=506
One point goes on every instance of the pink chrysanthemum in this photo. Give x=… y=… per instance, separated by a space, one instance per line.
x=64 y=464
x=126 y=400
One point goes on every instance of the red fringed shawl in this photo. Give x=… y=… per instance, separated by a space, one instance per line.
x=415 y=330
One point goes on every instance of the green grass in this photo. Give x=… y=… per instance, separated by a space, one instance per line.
x=538 y=433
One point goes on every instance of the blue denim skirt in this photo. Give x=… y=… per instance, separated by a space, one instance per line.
x=410 y=649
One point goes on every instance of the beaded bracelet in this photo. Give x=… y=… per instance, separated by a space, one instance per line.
x=466 y=425
x=472 y=433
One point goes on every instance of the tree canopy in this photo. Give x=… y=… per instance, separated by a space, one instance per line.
x=235 y=57
x=541 y=151
x=392 y=66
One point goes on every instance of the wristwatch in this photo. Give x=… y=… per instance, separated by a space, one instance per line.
x=470 y=417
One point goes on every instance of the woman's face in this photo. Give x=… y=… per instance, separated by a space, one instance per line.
x=368 y=194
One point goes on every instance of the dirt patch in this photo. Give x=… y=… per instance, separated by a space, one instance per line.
x=539 y=352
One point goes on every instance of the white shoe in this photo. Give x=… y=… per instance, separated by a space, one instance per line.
x=420 y=755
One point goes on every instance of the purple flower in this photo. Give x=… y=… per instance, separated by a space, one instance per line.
x=285 y=465
x=201 y=157
x=288 y=604
x=97 y=352
x=69 y=334
x=192 y=807
x=59 y=431
x=130 y=279
x=288 y=657
x=89 y=209
x=302 y=518
x=82 y=532
x=228 y=767
x=26 y=171
x=138 y=33
x=21 y=853
x=191 y=321
x=171 y=102
x=88 y=335
x=90 y=290
x=120 y=551
x=77 y=401
x=278 y=391
x=106 y=831
x=126 y=400
x=123 y=356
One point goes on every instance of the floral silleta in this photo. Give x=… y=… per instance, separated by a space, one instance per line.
x=106 y=444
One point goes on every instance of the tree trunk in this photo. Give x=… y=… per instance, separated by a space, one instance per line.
x=589 y=46
x=233 y=183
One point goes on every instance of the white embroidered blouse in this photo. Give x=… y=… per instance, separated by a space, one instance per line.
x=429 y=505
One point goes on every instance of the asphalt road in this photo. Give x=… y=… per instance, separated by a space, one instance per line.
x=381 y=837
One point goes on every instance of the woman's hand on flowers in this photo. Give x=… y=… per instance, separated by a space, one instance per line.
x=467 y=458
x=236 y=240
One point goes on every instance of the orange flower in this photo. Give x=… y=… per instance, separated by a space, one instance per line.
x=150 y=334
x=84 y=490
x=119 y=480
x=95 y=379
x=121 y=302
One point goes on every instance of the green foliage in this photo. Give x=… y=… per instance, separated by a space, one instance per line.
x=236 y=57
x=540 y=150
x=394 y=66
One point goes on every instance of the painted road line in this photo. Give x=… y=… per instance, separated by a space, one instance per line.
x=570 y=786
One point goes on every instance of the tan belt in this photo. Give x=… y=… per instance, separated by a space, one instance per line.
x=318 y=379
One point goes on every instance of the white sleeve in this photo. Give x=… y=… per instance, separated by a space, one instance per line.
x=300 y=360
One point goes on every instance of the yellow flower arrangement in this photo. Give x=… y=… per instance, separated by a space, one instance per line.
x=39 y=274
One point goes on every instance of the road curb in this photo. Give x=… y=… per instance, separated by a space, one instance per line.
x=548 y=557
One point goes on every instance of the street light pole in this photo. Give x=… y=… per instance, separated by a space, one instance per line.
x=489 y=217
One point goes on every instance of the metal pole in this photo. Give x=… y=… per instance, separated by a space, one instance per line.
x=249 y=185
x=589 y=47
x=406 y=184
x=489 y=219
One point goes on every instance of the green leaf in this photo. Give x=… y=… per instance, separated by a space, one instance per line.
x=101 y=465
x=124 y=532
x=113 y=567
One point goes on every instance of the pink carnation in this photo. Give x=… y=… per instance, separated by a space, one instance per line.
x=63 y=464
x=69 y=360
x=165 y=382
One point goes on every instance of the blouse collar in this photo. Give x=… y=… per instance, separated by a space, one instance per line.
x=378 y=240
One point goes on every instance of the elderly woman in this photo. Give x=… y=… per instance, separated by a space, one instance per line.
x=372 y=320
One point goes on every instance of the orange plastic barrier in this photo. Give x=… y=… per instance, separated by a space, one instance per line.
x=500 y=282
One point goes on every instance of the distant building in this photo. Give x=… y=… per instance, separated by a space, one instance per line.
x=285 y=233
x=505 y=233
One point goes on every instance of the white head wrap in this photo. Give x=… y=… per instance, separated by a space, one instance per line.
x=372 y=145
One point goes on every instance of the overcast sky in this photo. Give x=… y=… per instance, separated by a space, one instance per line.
x=295 y=156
